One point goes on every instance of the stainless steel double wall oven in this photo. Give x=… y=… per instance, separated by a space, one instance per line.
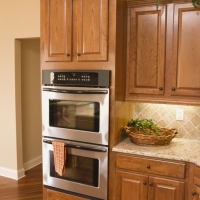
x=75 y=110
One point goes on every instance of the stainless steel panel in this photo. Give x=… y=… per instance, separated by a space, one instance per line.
x=85 y=136
x=98 y=192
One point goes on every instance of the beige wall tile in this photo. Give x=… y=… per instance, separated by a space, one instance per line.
x=165 y=116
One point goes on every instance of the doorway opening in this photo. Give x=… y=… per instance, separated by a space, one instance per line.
x=28 y=103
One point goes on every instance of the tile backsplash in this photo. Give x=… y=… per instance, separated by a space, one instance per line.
x=165 y=116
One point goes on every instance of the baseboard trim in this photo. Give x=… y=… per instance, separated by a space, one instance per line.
x=32 y=163
x=18 y=174
x=13 y=174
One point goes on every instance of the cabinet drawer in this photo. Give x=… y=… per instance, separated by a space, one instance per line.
x=159 y=167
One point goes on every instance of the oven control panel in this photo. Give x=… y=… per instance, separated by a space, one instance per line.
x=97 y=78
x=74 y=78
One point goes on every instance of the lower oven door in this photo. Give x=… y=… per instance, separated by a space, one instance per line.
x=85 y=172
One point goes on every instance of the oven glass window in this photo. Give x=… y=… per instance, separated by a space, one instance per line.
x=78 y=169
x=77 y=115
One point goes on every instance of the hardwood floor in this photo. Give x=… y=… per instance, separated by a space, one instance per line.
x=28 y=188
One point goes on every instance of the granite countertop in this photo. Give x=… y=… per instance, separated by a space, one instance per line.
x=178 y=149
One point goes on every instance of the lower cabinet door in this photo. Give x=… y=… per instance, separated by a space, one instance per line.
x=195 y=197
x=165 y=189
x=130 y=186
x=196 y=193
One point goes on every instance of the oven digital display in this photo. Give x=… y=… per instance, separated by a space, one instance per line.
x=73 y=74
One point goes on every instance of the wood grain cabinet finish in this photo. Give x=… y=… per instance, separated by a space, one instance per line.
x=131 y=186
x=163 y=53
x=58 y=30
x=136 y=181
x=146 y=50
x=186 y=51
x=153 y=166
x=89 y=21
x=165 y=189
x=92 y=30
x=196 y=193
x=196 y=180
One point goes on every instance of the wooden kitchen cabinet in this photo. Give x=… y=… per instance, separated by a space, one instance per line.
x=92 y=30
x=146 y=50
x=186 y=49
x=76 y=29
x=164 y=189
x=196 y=193
x=58 y=30
x=139 y=178
x=131 y=186
x=196 y=184
x=163 y=53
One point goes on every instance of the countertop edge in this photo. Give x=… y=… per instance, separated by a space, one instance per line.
x=174 y=151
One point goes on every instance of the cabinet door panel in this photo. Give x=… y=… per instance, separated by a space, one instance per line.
x=131 y=186
x=92 y=30
x=146 y=49
x=165 y=189
x=195 y=197
x=58 y=30
x=186 y=46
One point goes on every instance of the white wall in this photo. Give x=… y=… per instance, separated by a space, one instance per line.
x=18 y=19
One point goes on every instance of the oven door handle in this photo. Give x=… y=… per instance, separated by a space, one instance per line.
x=78 y=147
x=76 y=91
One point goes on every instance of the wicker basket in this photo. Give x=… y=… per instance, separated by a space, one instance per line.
x=139 y=137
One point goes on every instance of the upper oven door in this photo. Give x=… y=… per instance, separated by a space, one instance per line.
x=76 y=113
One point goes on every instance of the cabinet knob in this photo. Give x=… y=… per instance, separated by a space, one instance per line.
x=148 y=166
x=78 y=54
x=173 y=89
x=144 y=183
x=160 y=88
x=150 y=184
x=194 y=193
x=67 y=54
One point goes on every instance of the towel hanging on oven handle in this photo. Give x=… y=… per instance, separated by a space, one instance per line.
x=78 y=146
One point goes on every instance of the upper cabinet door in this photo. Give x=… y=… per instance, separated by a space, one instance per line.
x=92 y=30
x=186 y=51
x=146 y=50
x=58 y=28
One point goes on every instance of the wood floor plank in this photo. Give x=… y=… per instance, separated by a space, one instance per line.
x=28 y=188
